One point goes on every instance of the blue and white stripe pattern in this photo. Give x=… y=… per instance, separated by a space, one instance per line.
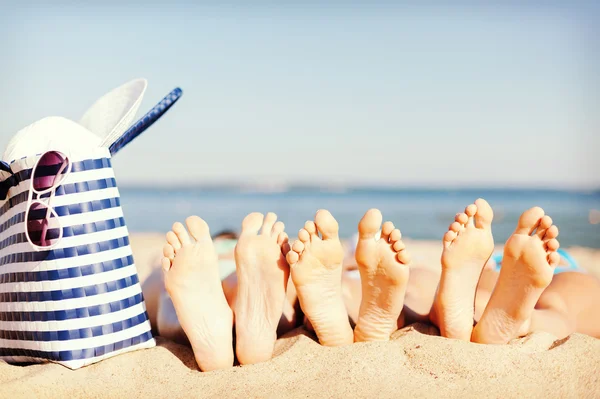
x=81 y=301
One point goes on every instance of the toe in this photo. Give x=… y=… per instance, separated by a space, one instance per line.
x=169 y=252
x=198 y=228
x=386 y=230
x=455 y=227
x=471 y=210
x=294 y=253
x=552 y=245
x=395 y=235
x=448 y=238
x=304 y=235
x=529 y=220
x=166 y=264
x=461 y=218
x=553 y=259
x=403 y=257
x=281 y=237
x=326 y=224
x=277 y=229
x=182 y=234
x=484 y=215
x=310 y=227
x=551 y=232
x=174 y=241
x=252 y=223
x=369 y=224
x=292 y=258
x=398 y=246
x=268 y=223
x=545 y=223
x=298 y=247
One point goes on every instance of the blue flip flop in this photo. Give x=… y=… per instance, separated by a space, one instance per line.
x=571 y=265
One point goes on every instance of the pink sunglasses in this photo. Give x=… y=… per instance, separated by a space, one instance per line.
x=43 y=229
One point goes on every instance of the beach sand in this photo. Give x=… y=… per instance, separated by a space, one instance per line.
x=416 y=363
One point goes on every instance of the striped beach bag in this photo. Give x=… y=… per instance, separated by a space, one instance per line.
x=69 y=289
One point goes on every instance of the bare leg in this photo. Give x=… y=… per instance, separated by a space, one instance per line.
x=569 y=304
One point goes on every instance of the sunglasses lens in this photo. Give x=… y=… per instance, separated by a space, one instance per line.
x=51 y=169
x=43 y=228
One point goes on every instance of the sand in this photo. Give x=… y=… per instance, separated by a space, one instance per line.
x=415 y=363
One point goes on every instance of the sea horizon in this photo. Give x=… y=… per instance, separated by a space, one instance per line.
x=267 y=187
x=420 y=212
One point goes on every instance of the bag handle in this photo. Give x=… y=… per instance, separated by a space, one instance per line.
x=146 y=121
x=8 y=179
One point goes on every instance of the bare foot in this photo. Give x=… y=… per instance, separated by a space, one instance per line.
x=527 y=269
x=191 y=274
x=316 y=267
x=467 y=247
x=262 y=274
x=384 y=278
x=288 y=318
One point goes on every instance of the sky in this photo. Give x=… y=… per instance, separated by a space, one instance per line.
x=344 y=94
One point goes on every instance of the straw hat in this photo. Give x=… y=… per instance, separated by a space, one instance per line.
x=101 y=125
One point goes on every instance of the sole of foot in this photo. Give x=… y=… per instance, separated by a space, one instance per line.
x=191 y=275
x=316 y=269
x=468 y=244
x=384 y=271
x=527 y=269
x=262 y=275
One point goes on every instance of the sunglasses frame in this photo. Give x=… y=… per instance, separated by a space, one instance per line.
x=47 y=202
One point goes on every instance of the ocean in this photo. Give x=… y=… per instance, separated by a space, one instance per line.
x=419 y=213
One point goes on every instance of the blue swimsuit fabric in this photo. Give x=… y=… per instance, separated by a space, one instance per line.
x=570 y=266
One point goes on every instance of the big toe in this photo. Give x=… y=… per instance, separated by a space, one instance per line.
x=252 y=223
x=529 y=220
x=326 y=224
x=369 y=224
x=484 y=215
x=198 y=228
